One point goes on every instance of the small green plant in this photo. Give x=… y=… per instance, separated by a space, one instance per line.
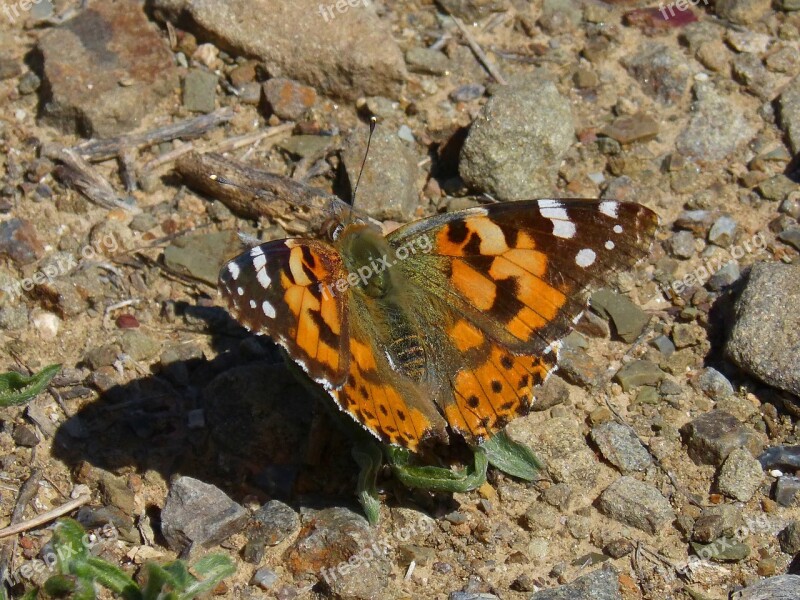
x=16 y=388
x=79 y=574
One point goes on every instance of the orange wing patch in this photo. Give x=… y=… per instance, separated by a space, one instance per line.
x=499 y=389
x=379 y=406
x=318 y=314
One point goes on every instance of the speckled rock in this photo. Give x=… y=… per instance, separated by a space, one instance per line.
x=717 y=126
x=637 y=504
x=350 y=53
x=765 y=339
x=712 y=436
x=661 y=71
x=602 y=584
x=620 y=447
x=782 y=587
x=740 y=475
x=515 y=146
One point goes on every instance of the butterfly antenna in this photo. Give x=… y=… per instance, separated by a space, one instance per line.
x=372 y=124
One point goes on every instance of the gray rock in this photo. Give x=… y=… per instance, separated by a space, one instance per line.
x=578 y=367
x=782 y=587
x=620 y=446
x=627 y=129
x=467 y=92
x=722 y=231
x=777 y=188
x=602 y=584
x=29 y=83
x=765 y=340
x=560 y=16
x=789 y=538
x=789 y=114
x=750 y=71
x=743 y=12
x=787 y=490
x=637 y=504
x=638 y=373
x=629 y=320
x=713 y=384
x=661 y=71
x=717 y=126
x=201 y=255
x=681 y=244
x=199 y=514
x=724 y=549
x=276 y=521
x=791 y=236
x=200 y=91
x=265 y=578
x=740 y=475
x=388 y=188
x=697 y=221
x=725 y=276
x=116 y=493
x=562 y=447
x=113 y=50
x=427 y=61
x=349 y=55
x=711 y=437
x=515 y=146
x=138 y=345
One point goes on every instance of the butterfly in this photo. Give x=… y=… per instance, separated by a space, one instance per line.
x=444 y=325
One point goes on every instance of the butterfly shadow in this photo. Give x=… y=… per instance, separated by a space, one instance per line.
x=239 y=421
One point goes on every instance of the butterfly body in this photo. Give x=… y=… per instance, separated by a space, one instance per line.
x=445 y=324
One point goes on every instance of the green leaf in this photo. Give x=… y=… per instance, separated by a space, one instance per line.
x=112 y=577
x=157 y=580
x=79 y=587
x=180 y=576
x=511 y=457
x=437 y=479
x=68 y=545
x=16 y=388
x=31 y=594
x=212 y=569
x=369 y=457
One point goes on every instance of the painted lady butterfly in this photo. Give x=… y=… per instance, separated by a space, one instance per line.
x=445 y=324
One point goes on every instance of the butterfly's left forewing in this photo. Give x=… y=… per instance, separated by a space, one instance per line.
x=287 y=289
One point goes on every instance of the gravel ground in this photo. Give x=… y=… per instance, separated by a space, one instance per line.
x=670 y=433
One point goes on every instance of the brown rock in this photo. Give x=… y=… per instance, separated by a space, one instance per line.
x=105 y=69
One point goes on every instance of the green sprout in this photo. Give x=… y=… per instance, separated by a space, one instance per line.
x=79 y=574
x=16 y=388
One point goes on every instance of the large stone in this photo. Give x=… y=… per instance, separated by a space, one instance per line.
x=740 y=475
x=789 y=113
x=388 y=187
x=515 y=146
x=340 y=548
x=711 y=437
x=105 y=70
x=637 y=504
x=197 y=513
x=346 y=53
x=782 y=587
x=716 y=128
x=602 y=584
x=765 y=339
x=619 y=445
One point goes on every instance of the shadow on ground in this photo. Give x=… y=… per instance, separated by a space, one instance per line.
x=240 y=421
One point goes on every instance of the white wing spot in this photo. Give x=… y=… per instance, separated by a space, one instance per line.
x=256 y=251
x=609 y=209
x=268 y=309
x=562 y=226
x=240 y=291
x=609 y=245
x=253 y=304
x=263 y=278
x=585 y=258
x=234 y=270
x=617 y=228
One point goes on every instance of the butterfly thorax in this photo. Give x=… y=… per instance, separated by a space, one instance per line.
x=380 y=289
